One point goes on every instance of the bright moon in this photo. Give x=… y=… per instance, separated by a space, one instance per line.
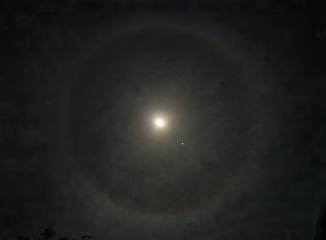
x=159 y=122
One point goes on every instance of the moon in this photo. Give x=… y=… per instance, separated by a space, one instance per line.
x=159 y=122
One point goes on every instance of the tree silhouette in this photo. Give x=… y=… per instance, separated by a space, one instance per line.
x=48 y=233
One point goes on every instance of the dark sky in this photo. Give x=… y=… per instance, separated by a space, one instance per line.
x=239 y=155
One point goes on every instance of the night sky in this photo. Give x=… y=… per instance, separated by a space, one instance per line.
x=165 y=124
